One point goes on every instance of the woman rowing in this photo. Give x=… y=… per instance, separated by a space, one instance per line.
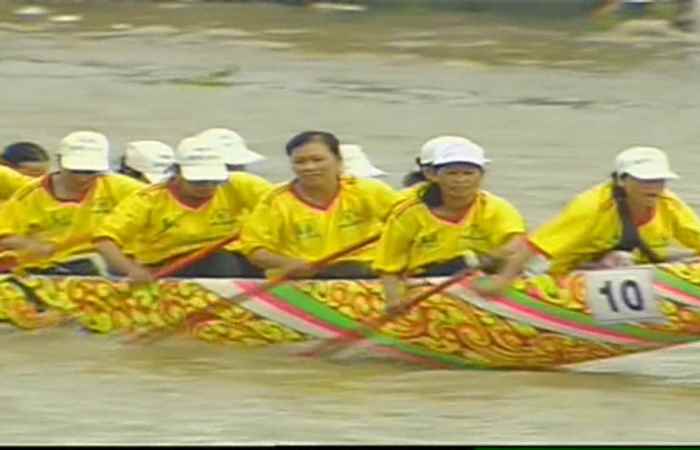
x=631 y=219
x=65 y=206
x=27 y=158
x=233 y=148
x=317 y=214
x=147 y=161
x=200 y=205
x=452 y=225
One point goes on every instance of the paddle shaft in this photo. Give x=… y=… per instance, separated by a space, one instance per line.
x=319 y=264
x=332 y=346
x=186 y=261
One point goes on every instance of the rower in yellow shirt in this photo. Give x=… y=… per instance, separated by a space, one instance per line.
x=631 y=219
x=200 y=205
x=65 y=206
x=453 y=225
x=317 y=214
x=415 y=182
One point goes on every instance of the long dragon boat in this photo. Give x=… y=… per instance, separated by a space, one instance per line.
x=540 y=323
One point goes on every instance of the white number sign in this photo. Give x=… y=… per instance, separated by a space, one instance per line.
x=622 y=295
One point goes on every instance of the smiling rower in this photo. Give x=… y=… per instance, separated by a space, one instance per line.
x=631 y=219
x=318 y=213
x=450 y=225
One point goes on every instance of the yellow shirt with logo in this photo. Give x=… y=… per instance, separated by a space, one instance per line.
x=10 y=182
x=415 y=237
x=285 y=224
x=590 y=226
x=34 y=212
x=153 y=226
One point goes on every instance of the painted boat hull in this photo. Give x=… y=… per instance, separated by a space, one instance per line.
x=541 y=323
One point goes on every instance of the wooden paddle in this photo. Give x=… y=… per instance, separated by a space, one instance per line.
x=186 y=261
x=259 y=289
x=332 y=346
x=319 y=264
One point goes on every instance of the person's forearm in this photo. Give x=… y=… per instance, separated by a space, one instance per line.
x=268 y=260
x=14 y=243
x=393 y=289
x=115 y=258
x=517 y=261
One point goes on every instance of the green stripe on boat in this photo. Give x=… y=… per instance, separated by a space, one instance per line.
x=300 y=300
x=586 y=320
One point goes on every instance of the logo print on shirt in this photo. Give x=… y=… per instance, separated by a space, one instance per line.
x=305 y=231
x=167 y=223
x=349 y=219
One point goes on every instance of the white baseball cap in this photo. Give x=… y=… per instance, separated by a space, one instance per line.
x=356 y=162
x=644 y=163
x=231 y=146
x=460 y=152
x=152 y=158
x=199 y=162
x=84 y=150
x=427 y=151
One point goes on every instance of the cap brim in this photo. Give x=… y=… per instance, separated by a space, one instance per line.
x=375 y=172
x=77 y=161
x=480 y=163
x=205 y=173
x=244 y=156
x=649 y=175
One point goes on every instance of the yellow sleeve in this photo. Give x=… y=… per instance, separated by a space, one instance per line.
x=568 y=231
x=261 y=228
x=506 y=223
x=9 y=215
x=383 y=198
x=126 y=221
x=252 y=187
x=394 y=247
x=10 y=182
x=125 y=186
x=686 y=225
x=15 y=214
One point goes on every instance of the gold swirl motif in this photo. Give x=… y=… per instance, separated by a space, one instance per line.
x=446 y=324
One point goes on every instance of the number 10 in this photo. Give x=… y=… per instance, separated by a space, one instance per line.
x=630 y=293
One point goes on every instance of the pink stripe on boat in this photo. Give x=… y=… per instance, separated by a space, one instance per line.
x=583 y=329
x=284 y=308
x=677 y=294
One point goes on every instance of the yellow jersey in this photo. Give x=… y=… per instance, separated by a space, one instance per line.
x=10 y=182
x=415 y=237
x=591 y=226
x=285 y=224
x=153 y=226
x=35 y=212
